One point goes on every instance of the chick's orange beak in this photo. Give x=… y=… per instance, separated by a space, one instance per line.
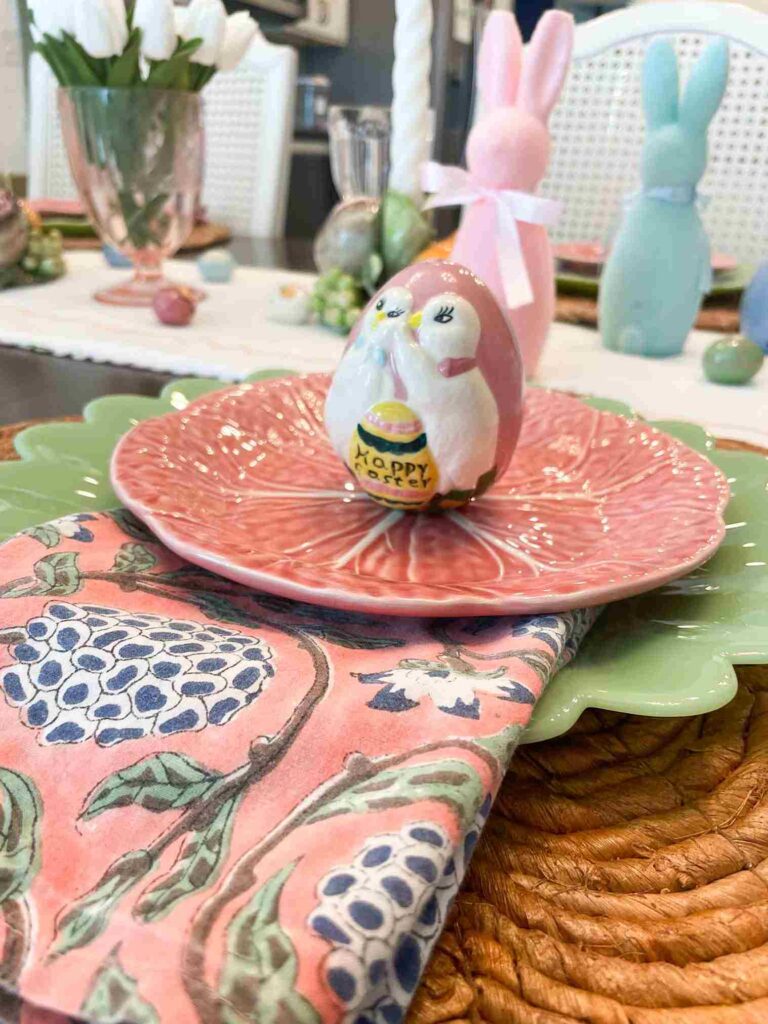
x=415 y=320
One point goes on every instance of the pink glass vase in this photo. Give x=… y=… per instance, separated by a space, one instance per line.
x=137 y=159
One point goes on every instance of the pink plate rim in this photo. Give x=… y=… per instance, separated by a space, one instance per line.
x=594 y=253
x=439 y=605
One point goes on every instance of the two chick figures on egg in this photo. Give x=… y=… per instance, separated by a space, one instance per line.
x=425 y=406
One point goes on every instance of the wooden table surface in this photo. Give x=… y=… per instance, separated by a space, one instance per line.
x=35 y=385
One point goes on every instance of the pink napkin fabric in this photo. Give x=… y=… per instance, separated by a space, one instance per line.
x=218 y=805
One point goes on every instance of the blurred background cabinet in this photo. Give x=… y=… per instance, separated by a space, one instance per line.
x=13 y=153
x=327 y=21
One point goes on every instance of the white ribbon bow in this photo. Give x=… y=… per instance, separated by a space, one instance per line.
x=456 y=187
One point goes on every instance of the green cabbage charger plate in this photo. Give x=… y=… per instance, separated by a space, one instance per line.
x=726 y=285
x=667 y=653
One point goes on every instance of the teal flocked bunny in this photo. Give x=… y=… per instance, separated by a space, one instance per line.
x=659 y=265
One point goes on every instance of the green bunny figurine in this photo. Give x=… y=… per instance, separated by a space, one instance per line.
x=659 y=264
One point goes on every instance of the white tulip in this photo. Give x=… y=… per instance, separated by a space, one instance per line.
x=53 y=17
x=239 y=34
x=156 y=20
x=101 y=27
x=206 y=20
x=180 y=18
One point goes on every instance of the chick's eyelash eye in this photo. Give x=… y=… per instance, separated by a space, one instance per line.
x=445 y=315
x=394 y=313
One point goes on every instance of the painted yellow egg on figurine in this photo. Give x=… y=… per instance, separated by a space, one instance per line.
x=390 y=458
x=425 y=406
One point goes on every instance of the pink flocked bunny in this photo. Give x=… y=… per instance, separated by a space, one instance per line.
x=508 y=149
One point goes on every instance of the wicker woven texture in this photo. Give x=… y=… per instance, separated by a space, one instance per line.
x=714 y=316
x=597 y=130
x=622 y=877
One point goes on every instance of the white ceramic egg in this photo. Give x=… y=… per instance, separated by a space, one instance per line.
x=425 y=406
x=290 y=304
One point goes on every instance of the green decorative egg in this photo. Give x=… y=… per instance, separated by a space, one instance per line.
x=732 y=360
x=14 y=230
x=349 y=237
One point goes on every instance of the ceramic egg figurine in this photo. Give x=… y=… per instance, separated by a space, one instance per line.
x=348 y=237
x=217 y=266
x=732 y=360
x=175 y=305
x=426 y=404
x=290 y=304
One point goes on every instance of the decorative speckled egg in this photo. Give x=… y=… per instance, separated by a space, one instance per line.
x=290 y=304
x=433 y=353
x=217 y=266
x=732 y=360
x=175 y=306
x=348 y=237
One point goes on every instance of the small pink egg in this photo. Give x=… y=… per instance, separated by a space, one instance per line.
x=175 y=306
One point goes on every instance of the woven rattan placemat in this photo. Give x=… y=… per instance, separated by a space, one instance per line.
x=717 y=314
x=622 y=877
x=721 y=315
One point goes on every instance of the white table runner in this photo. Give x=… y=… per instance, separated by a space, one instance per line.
x=231 y=338
x=676 y=388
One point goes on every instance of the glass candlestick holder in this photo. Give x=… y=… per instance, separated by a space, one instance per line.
x=359 y=145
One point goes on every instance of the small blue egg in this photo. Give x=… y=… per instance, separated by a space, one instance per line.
x=217 y=266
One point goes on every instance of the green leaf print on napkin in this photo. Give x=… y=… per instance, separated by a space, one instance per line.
x=87 y=917
x=258 y=977
x=59 y=574
x=47 y=535
x=197 y=866
x=129 y=524
x=55 y=576
x=502 y=745
x=345 y=638
x=114 y=997
x=161 y=782
x=133 y=558
x=20 y=814
x=450 y=781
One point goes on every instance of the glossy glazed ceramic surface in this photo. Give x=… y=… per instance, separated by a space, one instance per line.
x=728 y=284
x=432 y=368
x=592 y=508
x=593 y=254
x=668 y=653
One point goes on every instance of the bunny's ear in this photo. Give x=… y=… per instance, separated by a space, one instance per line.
x=500 y=60
x=660 y=84
x=706 y=87
x=547 y=60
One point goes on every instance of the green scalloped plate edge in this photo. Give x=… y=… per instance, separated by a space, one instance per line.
x=727 y=284
x=630 y=662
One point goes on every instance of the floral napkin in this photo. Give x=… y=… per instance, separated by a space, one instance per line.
x=218 y=805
